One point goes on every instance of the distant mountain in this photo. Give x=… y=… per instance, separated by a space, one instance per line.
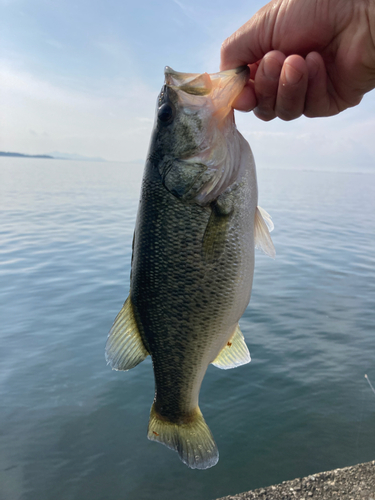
x=56 y=155
x=139 y=160
x=69 y=156
x=4 y=153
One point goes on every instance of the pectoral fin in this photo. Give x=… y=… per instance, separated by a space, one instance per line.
x=215 y=236
x=124 y=349
x=216 y=233
x=262 y=227
x=235 y=353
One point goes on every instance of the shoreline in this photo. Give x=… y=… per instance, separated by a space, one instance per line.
x=350 y=483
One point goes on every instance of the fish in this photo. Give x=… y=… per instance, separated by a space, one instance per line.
x=197 y=225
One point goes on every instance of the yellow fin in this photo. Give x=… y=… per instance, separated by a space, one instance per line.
x=124 y=349
x=262 y=227
x=193 y=440
x=235 y=353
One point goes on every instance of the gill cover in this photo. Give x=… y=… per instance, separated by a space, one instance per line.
x=202 y=149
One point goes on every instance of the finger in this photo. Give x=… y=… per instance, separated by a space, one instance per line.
x=246 y=101
x=290 y=102
x=318 y=101
x=253 y=69
x=266 y=84
x=236 y=50
x=250 y=42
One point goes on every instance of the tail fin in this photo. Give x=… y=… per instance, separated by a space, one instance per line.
x=193 y=441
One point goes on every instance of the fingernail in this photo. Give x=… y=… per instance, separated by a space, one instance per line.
x=272 y=68
x=244 y=110
x=292 y=76
x=312 y=66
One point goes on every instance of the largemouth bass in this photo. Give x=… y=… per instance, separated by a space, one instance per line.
x=193 y=256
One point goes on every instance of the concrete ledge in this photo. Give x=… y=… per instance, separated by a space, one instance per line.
x=350 y=483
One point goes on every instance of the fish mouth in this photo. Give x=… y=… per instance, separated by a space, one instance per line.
x=218 y=89
x=173 y=77
x=192 y=81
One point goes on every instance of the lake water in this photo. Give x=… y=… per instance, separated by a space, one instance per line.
x=72 y=429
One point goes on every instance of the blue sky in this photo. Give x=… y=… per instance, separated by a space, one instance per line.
x=83 y=76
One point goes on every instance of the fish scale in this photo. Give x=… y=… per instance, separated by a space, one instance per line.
x=193 y=256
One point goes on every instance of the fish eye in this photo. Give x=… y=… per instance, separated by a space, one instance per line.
x=166 y=113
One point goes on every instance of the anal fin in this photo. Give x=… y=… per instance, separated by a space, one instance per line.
x=235 y=353
x=124 y=349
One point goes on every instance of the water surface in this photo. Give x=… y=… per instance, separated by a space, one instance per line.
x=71 y=429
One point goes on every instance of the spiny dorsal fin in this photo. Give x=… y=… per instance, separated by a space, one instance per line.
x=262 y=227
x=124 y=349
x=235 y=353
x=192 y=440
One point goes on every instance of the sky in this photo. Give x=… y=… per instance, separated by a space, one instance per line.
x=82 y=77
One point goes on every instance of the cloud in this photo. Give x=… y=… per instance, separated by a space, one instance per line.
x=113 y=121
x=343 y=141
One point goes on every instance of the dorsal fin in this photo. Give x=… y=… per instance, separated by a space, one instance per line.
x=235 y=353
x=124 y=349
x=262 y=227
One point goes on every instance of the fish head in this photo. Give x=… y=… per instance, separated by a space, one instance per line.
x=195 y=124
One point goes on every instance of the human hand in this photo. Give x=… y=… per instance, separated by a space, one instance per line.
x=311 y=57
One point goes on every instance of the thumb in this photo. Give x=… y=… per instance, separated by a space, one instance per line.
x=250 y=42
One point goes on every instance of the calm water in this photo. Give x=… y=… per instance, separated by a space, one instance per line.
x=71 y=429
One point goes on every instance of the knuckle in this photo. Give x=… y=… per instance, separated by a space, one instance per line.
x=227 y=46
x=224 y=46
